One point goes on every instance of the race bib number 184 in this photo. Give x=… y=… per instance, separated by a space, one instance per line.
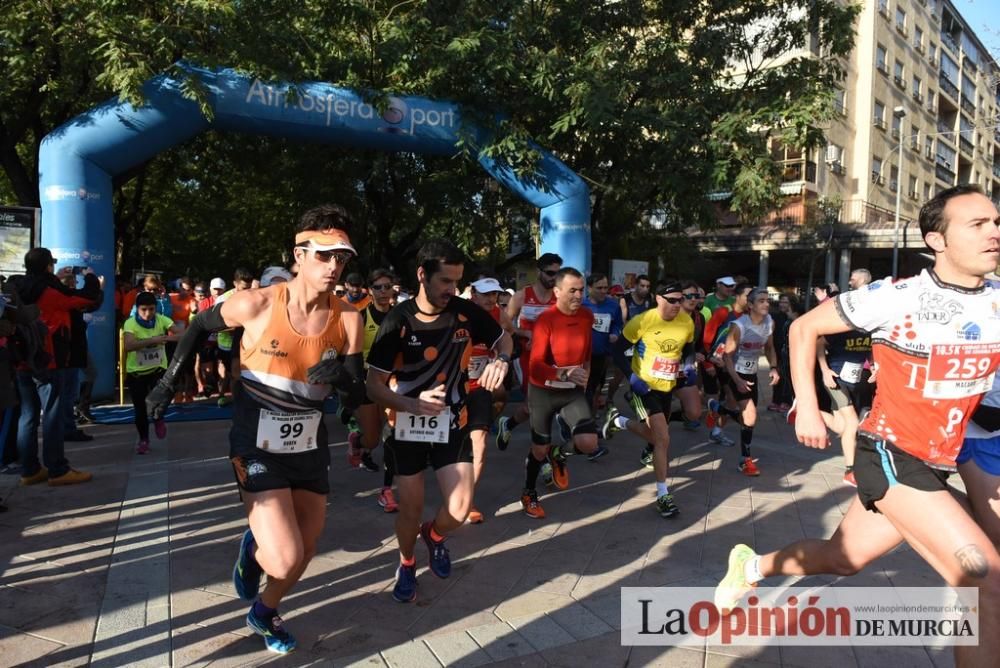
x=961 y=370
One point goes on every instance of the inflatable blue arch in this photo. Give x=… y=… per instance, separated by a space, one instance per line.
x=78 y=161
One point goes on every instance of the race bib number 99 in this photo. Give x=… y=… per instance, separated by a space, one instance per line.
x=288 y=432
x=961 y=370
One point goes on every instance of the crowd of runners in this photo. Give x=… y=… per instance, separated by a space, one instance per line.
x=901 y=372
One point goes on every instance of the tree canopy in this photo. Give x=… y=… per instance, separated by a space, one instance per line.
x=654 y=103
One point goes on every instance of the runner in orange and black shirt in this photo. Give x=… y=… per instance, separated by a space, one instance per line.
x=417 y=368
x=558 y=371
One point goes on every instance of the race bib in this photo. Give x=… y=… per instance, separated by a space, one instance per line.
x=851 y=372
x=530 y=312
x=746 y=365
x=150 y=358
x=286 y=433
x=561 y=384
x=423 y=428
x=476 y=366
x=664 y=368
x=961 y=370
x=602 y=322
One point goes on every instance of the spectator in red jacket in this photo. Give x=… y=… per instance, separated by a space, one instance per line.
x=43 y=389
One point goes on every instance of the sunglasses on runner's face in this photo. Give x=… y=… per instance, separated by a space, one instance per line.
x=672 y=300
x=326 y=256
x=382 y=286
x=550 y=274
x=690 y=295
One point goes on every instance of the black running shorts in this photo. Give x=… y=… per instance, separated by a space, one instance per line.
x=411 y=457
x=879 y=465
x=263 y=471
x=572 y=404
x=652 y=403
x=479 y=407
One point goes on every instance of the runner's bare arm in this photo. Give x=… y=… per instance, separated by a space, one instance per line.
x=430 y=402
x=514 y=310
x=772 y=360
x=729 y=354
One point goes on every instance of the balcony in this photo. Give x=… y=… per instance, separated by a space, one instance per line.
x=944 y=174
x=946 y=130
x=793 y=172
x=947 y=86
x=996 y=171
x=950 y=42
x=968 y=106
x=966 y=145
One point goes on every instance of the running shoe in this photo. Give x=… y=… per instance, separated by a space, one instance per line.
x=666 y=507
x=406 y=584
x=276 y=638
x=367 y=463
x=608 y=427
x=142 y=447
x=530 y=505
x=560 y=475
x=354 y=449
x=849 y=478
x=597 y=454
x=717 y=436
x=692 y=425
x=790 y=415
x=475 y=517
x=714 y=419
x=646 y=458
x=440 y=560
x=748 y=467
x=160 y=427
x=546 y=473
x=387 y=500
x=503 y=432
x=246 y=571
x=564 y=431
x=734 y=585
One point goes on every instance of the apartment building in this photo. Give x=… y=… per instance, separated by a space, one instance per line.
x=918 y=112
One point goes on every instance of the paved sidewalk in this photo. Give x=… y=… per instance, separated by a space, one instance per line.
x=134 y=568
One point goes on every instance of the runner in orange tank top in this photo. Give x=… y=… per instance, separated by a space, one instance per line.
x=300 y=343
x=524 y=308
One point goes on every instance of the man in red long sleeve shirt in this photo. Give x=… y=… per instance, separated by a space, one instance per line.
x=558 y=370
x=43 y=390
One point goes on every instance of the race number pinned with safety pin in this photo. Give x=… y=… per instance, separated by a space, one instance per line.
x=423 y=428
x=288 y=432
x=959 y=370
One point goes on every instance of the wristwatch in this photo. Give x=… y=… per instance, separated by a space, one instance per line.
x=563 y=375
x=504 y=357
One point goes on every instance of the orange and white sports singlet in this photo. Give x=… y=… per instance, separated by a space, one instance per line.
x=936 y=347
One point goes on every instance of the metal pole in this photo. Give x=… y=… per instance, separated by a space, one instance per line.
x=899 y=197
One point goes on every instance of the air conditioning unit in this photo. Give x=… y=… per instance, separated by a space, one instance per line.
x=878 y=178
x=833 y=153
x=836 y=168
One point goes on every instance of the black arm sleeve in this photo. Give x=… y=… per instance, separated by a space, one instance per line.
x=687 y=354
x=201 y=326
x=618 y=355
x=351 y=393
x=987 y=417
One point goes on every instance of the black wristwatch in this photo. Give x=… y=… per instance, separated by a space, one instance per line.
x=505 y=358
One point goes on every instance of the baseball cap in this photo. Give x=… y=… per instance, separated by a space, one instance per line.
x=726 y=280
x=485 y=285
x=616 y=291
x=273 y=275
x=217 y=283
x=332 y=239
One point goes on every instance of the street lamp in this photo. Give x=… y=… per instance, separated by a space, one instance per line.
x=898 y=112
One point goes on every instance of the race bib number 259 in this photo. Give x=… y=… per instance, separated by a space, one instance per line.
x=961 y=370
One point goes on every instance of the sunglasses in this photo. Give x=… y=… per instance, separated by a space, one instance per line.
x=327 y=256
x=691 y=295
x=672 y=300
x=550 y=274
x=382 y=286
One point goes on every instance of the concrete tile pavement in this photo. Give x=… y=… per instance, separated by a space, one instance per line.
x=134 y=568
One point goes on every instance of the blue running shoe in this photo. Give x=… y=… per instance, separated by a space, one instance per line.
x=276 y=638
x=440 y=560
x=246 y=572
x=692 y=425
x=406 y=584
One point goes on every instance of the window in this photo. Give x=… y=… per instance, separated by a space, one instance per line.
x=918 y=39
x=835 y=158
x=918 y=85
x=949 y=68
x=883 y=7
x=881 y=59
x=946 y=155
x=931 y=100
x=897 y=126
x=879 y=115
x=898 y=73
x=900 y=19
x=894 y=178
x=927 y=191
x=928 y=147
x=912 y=191
x=840 y=101
x=877 y=170
x=915 y=138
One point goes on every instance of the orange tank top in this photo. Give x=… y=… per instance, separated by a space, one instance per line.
x=275 y=367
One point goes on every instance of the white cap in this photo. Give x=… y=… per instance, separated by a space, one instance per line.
x=726 y=280
x=217 y=283
x=487 y=285
x=274 y=275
